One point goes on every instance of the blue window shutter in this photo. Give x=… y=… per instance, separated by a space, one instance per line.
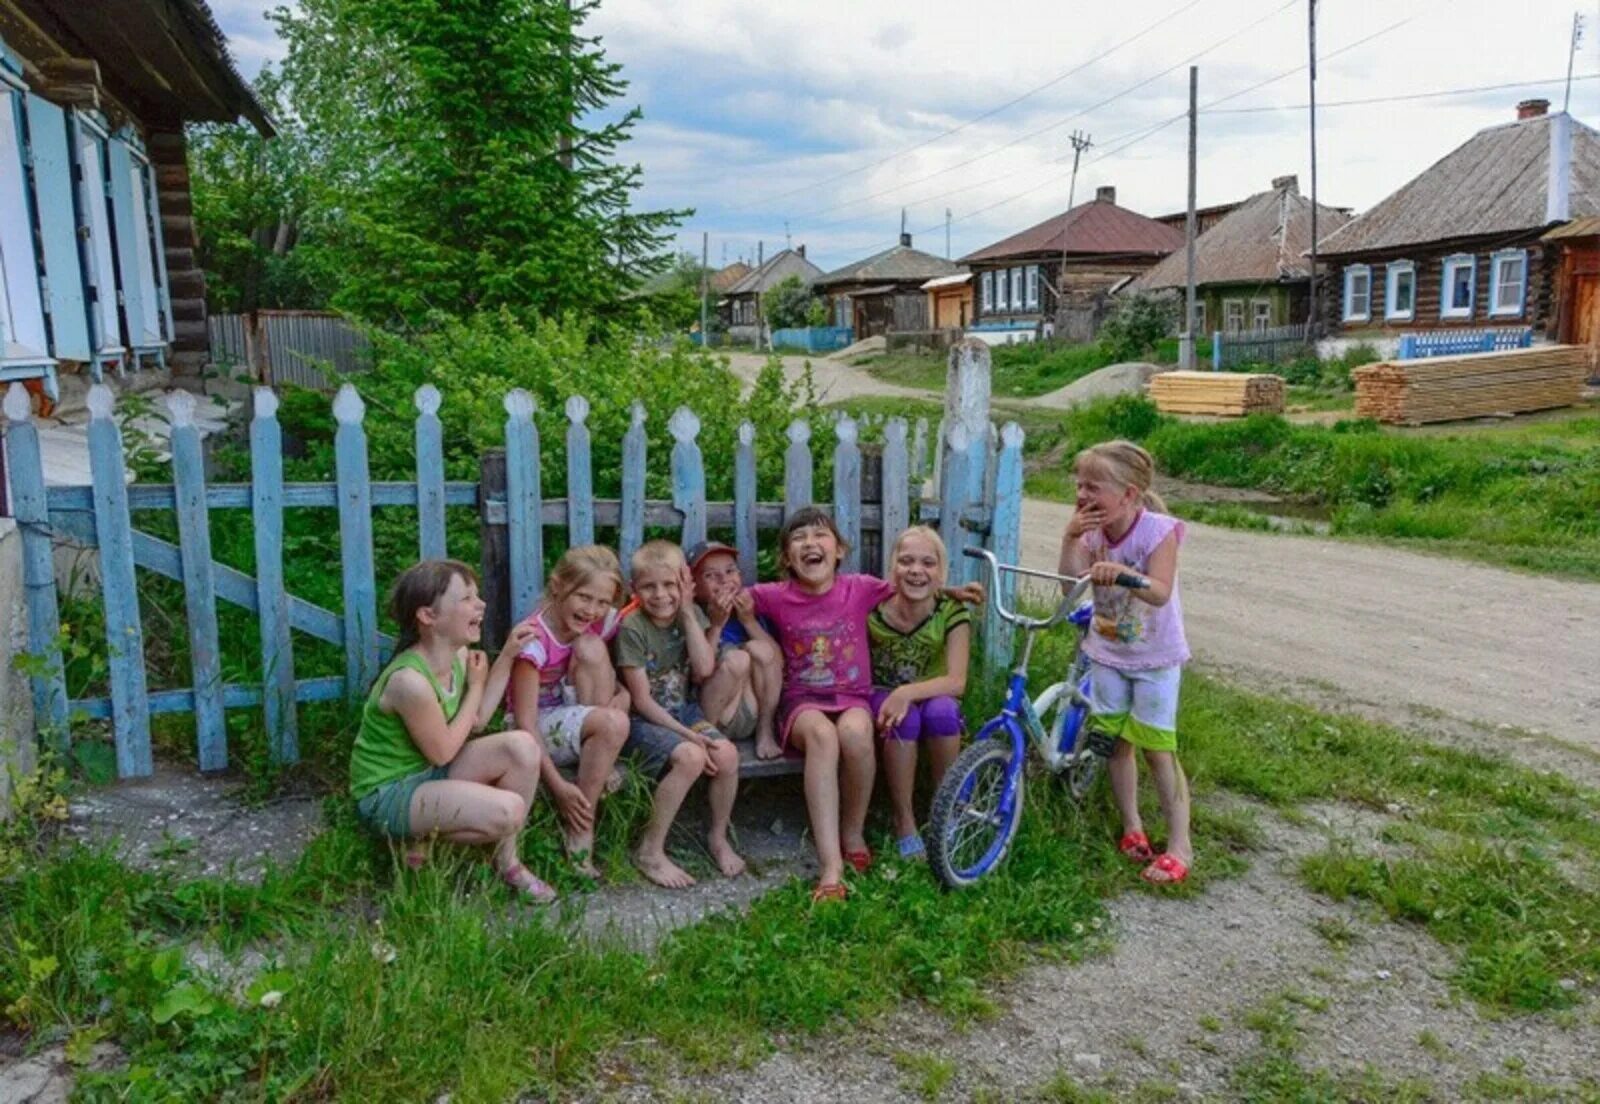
x=52 y=176
x=126 y=231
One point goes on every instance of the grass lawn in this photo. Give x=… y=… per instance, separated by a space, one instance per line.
x=1523 y=494
x=1020 y=371
x=401 y=986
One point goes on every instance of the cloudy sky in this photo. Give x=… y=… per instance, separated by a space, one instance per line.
x=818 y=122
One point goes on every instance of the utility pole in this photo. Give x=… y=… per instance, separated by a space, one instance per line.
x=788 y=242
x=1572 y=52
x=1314 y=318
x=1080 y=142
x=947 y=233
x=761 y=252
x=1186 y=342
x=705 y=287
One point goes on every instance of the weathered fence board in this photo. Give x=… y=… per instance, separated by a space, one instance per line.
x=355 y=542
x=688 y=475
x=847 y=491
x=523 y=508
x=631 y=516
x=272 y=597
x=744 y=501
x=430 y=474
x=1007 y=544
x=580 y=477
x=31 y=507
x=199 y=593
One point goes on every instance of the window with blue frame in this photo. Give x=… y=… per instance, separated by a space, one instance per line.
x=1458 y=276
x=1508 y=282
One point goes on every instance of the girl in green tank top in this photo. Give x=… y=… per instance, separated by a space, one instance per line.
x=417 y=771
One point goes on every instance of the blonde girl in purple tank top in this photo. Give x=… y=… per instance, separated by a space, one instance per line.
x=1135 y=643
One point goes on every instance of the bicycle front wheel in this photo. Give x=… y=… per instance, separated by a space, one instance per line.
x=970 y=827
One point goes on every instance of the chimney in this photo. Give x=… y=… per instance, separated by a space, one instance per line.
x=905 y=240
x=1532 y=109
x=1558 y=184
x=1290 y=184
x=801 y=249
x=1105 y=194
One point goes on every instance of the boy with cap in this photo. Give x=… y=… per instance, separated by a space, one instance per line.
x=734 y=628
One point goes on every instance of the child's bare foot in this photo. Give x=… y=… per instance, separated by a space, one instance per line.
x=727 y=859
x=767 y=746
x=662 y=870
x=580 y=852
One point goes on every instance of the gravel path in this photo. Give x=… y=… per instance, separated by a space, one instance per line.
x=835 y=380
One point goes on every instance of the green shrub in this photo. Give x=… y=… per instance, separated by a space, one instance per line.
x=1136 y=326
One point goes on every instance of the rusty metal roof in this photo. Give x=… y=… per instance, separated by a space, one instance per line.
x=1494 y=182
x=1093 y=227
x=1262 y=240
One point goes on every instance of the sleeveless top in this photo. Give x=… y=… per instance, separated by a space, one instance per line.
x=384 y=750
x=552 y=656
x=1126 y=633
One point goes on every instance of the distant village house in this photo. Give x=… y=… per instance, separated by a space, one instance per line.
x=884 y=293
x=740 y=310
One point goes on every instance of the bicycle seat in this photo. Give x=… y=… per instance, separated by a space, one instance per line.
x=1081 y=616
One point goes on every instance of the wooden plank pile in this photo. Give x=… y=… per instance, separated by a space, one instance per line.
x=1442 y=389
x=1226 y=394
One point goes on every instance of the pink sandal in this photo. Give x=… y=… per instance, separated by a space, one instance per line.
x=528 y=884
x=1135 y=846
x=1167 y=869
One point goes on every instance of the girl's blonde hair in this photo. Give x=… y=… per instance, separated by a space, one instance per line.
x=582 y=565
x=931 y=535
x=1126 y=465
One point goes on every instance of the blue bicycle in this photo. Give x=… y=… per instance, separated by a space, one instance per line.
x=978 y=806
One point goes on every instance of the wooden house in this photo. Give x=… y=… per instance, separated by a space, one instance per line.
x=1062 y=271
x=1462 y=244
x=725 y=277
x=1251 y=272
x=883 y=293
x=1575 y=305
x=950 y=301
x=740 y=309
x=97 y=243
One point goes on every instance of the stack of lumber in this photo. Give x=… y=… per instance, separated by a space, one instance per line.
x=1227 y=394
x=1441 y=389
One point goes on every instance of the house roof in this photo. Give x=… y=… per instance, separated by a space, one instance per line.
x=164 y=60
x=1494 y=182
x=899 y=264
x=775 y=268
x=1262 y=240
x=724 y=278
x=1094 y=227
x=947 y=281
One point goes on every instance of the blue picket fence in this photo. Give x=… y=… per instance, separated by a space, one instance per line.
x=1436 y=343
x=980 y=484
x=813 y=339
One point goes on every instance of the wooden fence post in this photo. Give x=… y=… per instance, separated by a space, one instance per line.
x=266 y=511
x=494 y=539
x=953 y=487
x=744 y=502
x=355 y=544
x=896 y=486
x=580 y=478
x=1005 y=541
x=634 y=443
x=524 y=505
x=688 y=475
x=847 y=490
x=430 y=474
x=875 y=539
x=130 y=705
x=797 y=468
x=199 y=593
x=30 y=507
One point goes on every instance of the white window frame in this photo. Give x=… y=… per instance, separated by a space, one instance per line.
x=1017 y=296
x=1447 y=267
x=986 y=293
x=1033 y=287
x=1497 y=309
x=1260 y=323
x=1230 y=323
x=1351 y=273
x=1391 y=287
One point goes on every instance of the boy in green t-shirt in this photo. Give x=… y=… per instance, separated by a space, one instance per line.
x=661 y=652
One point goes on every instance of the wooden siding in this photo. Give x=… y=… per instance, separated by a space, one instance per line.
x=1086 y=279
x=1429 y=261
x=186 y=281
x=951 y=308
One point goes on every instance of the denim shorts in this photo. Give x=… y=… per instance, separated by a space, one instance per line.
x=387 y=809
x=650 y=746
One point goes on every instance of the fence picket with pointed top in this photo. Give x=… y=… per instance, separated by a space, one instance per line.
x=1005 y=540
x=580 y=477
x=688 y=475
x=744 y=501
x=355 y=544
x=199 y=593
x=430 y=473
x=130 y=713
x=524 y=505
x=272 y=598
x=634 y=443
x=896 y=487
x=797 y=468
x=847 y=490
x=919 y=454
x=30 y=505
x=954 y=485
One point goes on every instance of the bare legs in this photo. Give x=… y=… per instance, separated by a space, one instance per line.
x=838 y=783
x=766 y=680
x=486 y=797
x=1172 y=790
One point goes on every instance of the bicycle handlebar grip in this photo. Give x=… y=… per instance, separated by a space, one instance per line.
x=972 y=553
x=1132 y=582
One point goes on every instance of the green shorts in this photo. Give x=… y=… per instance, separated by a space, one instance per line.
x=387 y=809
x=1140 y=707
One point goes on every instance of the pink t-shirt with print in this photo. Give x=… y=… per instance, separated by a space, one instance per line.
x=1127 y=634
x=826 y=661
x=552 y=656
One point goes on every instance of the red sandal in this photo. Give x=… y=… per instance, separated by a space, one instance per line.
x=860 y=861
x=1167 y=869
x=829 y=891
x=1135 y=846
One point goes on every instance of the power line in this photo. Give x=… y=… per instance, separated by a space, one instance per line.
x=1441 y=94
x=1053 y=81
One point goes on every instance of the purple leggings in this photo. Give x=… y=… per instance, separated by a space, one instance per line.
x=928 y=719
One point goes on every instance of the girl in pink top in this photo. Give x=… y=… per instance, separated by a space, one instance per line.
x=819 y=618
x=1135 y=643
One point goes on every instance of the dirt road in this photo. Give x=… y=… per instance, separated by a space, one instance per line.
x=1384 y=625
x=836 y=381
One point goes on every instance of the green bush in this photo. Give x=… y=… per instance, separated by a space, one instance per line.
x=1137 y=325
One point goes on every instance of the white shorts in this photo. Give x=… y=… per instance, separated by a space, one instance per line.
x=561 y=727
x=1138 y=706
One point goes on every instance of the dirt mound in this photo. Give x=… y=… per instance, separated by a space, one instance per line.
x=1113 y=379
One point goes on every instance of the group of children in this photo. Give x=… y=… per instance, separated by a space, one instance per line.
x=821 y=665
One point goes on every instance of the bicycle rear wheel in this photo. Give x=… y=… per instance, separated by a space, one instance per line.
x=969 y=829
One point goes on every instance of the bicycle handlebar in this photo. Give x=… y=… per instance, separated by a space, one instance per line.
x=1076 y=585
